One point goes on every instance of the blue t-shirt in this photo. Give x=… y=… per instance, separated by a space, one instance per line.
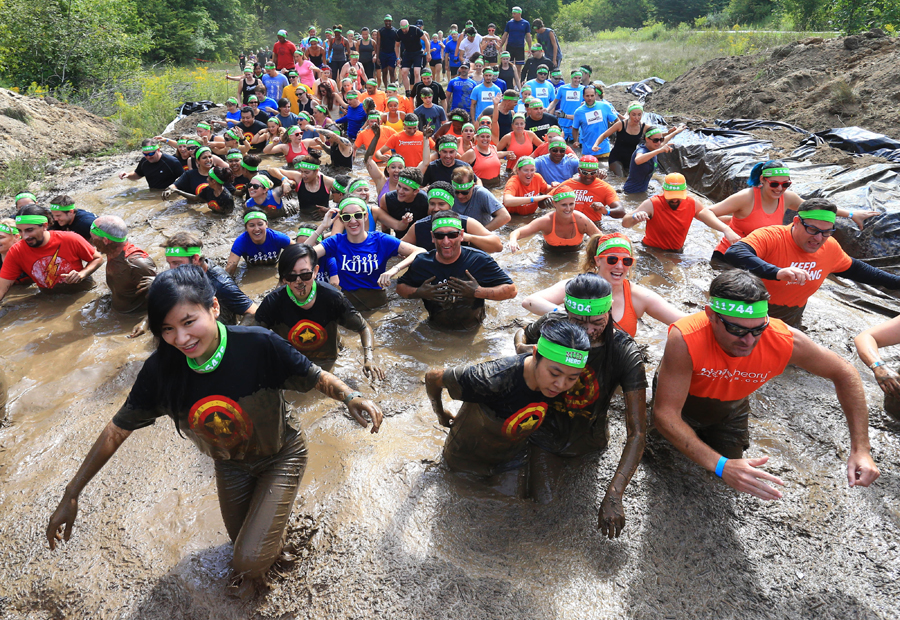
x=269 y=104
x=501 y=84
x=233 y=118
x=517 y=31
x=591 y=122
x=542 y=90
x=360 y=264
x=274 y=85
x=435 y=50
x=556 y=173
x=639 y=174
x=355 y=119
x=450 y=49
x=287 y=121
x=266 y=253
x=568 y=99
x=269 y=202
x=327 y=268
x=460 y=91
x=483 y=97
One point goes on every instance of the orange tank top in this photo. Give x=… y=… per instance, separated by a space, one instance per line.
x=486 y=166
x=560 y=242
x=725 y=378
x=628 y=322
x=668 y=228
x=757 y=219
x=524 y=149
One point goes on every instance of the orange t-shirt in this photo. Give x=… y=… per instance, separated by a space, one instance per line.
x=725 y=378
x=364 y=139
x=775 y=245
x=380 y=99
x=586 y=195
x=536 y=187
x=408 y=147
x=668 y=228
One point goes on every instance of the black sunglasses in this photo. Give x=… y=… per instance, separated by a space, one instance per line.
x=612 y=259
x=557 y=150
x=740 y=331
x=443 y=235
x=254 y=185
x=656 y=140
x=306 y=276
x=152 y=153
x=784 y=184
x=347 y=217
x=812 y=230
x=461 y=193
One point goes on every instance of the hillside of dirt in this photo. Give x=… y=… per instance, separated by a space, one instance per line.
x=42 y=126
x=816 y=84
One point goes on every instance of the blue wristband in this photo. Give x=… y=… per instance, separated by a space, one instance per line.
x=720 y=466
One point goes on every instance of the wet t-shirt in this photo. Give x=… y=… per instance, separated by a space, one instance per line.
x=46 y=265
x=460 y=313
x=190 y=180
x=254 y=128
x=586 y=195
x=314 y=331
x=591 y=122
x=161 y=174
x=556 y=173
x=235 y=412
x=578 y=423
x=81 y=225
x=437 y=171
x=265 y=253
x=481 y=205
x=396 y=209
x=423 y=231
x=223 y=203
x=230 y=296
x=498 y=414
x=408 y=147
x=460 y=91
x=124 y=272
x=360 y=264
x=775 y=245
x=639 y=174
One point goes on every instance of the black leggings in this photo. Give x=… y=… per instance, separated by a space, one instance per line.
x=256 y=500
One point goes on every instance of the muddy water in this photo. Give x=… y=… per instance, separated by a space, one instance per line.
x=384 y=529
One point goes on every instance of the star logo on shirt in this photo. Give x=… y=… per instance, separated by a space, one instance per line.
x=307 y=335
x=525 y=421
x=220 y=422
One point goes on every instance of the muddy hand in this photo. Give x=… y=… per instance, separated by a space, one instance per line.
x=742 y=475
x=360 y=406
x=612 y=516
x=888 y=381
x=373 y=371
x=432 y=292
x=144 y=284
x=64 y=515
x=861 y=469
x=73 y=277
x=463 y=288
x=139 y=330
x=859 y=217
x=792 y=275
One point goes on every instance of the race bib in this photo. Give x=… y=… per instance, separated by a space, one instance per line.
x=573 y=95
x=593 y=116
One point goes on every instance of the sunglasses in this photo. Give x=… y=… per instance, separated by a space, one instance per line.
x=254 y=185
x=306 y=276
x=347 y=217
x=443 y=235
x=612 y=259
x=461 y=193
x=557 y=150
x=775 y=185
x=812 y=230
x=740 y=331
x=589 y=173
x=656 y=140
x=152 y=153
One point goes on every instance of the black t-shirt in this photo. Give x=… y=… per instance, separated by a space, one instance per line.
x=223 y=203
x=230 y=297
x=387 y=37
x=529 y=69
x=161 y=174
x=437 y=171
x=261 y=117
x=396 y=209
x=237 y=411
x=313 y=332
x=461 y=313
x=423 y=231
x=592 y=393
x=81 y=225
x=504 y=120
x=251 y=131
x=439 y=94
x=540 y=126
x=410 y=41
x=190 y=181
x=507 y=75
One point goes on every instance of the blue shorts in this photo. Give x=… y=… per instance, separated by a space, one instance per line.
x=388 y=59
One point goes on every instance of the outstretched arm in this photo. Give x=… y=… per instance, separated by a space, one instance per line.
x=333 y=387
x=612 y=510
x=434 y=386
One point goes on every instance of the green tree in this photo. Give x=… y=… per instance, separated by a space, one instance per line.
x=673 y=12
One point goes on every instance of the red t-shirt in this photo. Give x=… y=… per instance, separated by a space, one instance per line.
x=722 y=377
x=775 y=245
x=668 y=228
x=586 y=195
x=284 y=55
x=64 y=252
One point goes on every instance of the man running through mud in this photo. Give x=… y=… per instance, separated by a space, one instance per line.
x=715 y=359
x=126 y=264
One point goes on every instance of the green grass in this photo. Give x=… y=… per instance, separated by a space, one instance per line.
x=19 y=173
x=629 y=55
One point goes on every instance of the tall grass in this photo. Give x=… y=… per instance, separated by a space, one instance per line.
x=20 y=172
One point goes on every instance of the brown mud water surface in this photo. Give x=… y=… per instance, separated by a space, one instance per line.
x=381 y=527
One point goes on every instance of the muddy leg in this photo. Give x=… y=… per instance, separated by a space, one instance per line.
x=543 y=472
x=235 y=486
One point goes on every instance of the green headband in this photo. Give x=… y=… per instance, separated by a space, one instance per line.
x=274 y=119
x=230 y=134
x=653 y=132
x=307 y=165
x=557 y=144
x=555 y=129
x=31 y=219
x=352 y=95
x=458 y=118
x=440 y=194
x=394 y=99
x=371 y=82
x=356 y=185
x=346 y=202
x=391 y=88
x=468 y=126
x=232 y=101
x=525 y=161
x=235 y=156
x=180 y=251
x=8 y=230
x=322 y=109
x=409 y=183
x=203 y=126
x=562 y=355
x=563 y=196
x=448 y=146
x=394 y=159
x=504 y=55
x=411 y=123
x=588 y=307
x=536 y=103
x=673 y=187
x=817 y=214
x=264 y=181
x=22 y=195
x=483 y=130
x=212 y=175
x=633 y=107
x=54 y=207
x=510 y=98
x=615 y=242
x=374 y=116
x=248 y=167
x=305 y=232
x=202 y=151
x=252 y=99
x=293 y=129
x=739 y=309
x=575 y=73
x=518 y=115
x=589 y=165
x=776 y=172
x=463 y=187
x=96 y=230
x=336 y=185
x=150 y=148
x=442 y=222
x=426 y=73
x=255 y=215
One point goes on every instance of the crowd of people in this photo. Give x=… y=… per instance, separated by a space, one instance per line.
x=407 y=198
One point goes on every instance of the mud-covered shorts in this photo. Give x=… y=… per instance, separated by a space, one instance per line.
x=792 y=315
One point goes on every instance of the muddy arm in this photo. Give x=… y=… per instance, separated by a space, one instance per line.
x=612 y=510
x=434 y=385
x=333 y=387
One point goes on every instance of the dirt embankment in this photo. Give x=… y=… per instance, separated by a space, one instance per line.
x=816 y=84
x=44 y=127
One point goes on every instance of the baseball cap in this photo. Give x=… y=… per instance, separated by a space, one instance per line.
x=674 y=186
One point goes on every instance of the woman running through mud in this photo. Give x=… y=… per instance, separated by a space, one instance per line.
x=222 y=386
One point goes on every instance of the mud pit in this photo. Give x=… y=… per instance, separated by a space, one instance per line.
x=385 y=530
